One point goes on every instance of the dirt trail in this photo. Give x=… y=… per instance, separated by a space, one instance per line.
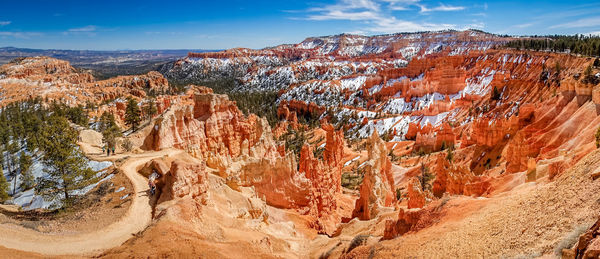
x=134 y=221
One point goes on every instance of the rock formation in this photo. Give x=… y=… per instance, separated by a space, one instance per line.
x=377 y=188
x=54 y=79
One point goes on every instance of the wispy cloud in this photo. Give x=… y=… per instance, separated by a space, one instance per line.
x=89 y=28
x=581 y=23
x=376 y=15
x=4 y=23
x=474 y=25
x=19 y=35
x=524 y=25
x=400 y=5
x=441 y=8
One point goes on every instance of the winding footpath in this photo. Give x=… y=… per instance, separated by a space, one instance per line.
x=137 y=218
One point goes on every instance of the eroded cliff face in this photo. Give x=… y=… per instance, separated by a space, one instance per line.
x=242 y=150
x=54 y=79
x=480 y=121
x=377 y=188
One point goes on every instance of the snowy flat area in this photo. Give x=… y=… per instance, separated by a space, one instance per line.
x=28 y=200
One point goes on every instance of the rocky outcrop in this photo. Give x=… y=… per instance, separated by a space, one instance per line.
x=435 y=140
x=184 y=179
x=416 y=194
x=377 y=188
x=406 y=221
x=456 y=179
x=210 y=126
x=588 y=245
x=57 y=80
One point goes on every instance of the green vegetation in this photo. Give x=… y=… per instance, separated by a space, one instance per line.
x=261 y=103
x=495 y=94
x=27 y=178
x=77 y=114
x=450 y=153
x=133 y=115
x=3 y=187
x=66 y=167
x=577 y=44
x=294 y=140
x=425 y=178
x=589 y=77
x=127 y=145
x=399 y=194
x=109 y=129
x=29 y=128
x=150 y=109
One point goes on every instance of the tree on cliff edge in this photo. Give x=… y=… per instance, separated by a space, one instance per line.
x=66 y=167
x=150 y=109
x=132 y=114
x=3 y=187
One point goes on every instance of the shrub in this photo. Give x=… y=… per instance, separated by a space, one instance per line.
x=127 y=145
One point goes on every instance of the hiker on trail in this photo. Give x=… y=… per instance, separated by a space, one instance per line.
x=152 y=181
x=107 y=151
x=113 y=149
x=103 y=149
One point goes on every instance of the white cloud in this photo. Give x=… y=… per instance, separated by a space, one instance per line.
x=393 y=25
x=4 y=23
x=524 y=25
x=441 y=8
x=400 y=5
x=474 y=25
x=376 y=17
x=89 y=28
x=19 y=35
x=585 y=22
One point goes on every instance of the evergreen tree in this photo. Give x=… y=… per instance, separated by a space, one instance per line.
x=132 y=114
x=3 y=187
x=66 y=167
x=495 y=94
x=107 y=120
x=78 y=115
x=110 y=135
x=425 y=177
x=26 y=174
x=11 y=163
x=450 y=154
x=150 y=109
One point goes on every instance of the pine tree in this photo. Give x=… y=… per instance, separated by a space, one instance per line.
x=150 y=109
x=107 y=120
x=450 y=154
x=495 y=94
x=3 y=187
x=425 y=177
x=11 y=164
x=110 y=135
x=26 y=174
x=132 y=114
x=66 y=167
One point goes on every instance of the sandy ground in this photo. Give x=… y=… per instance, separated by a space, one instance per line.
x=135 y=220
x=530 y=221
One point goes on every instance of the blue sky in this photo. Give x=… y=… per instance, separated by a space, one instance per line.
x=220 y=24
